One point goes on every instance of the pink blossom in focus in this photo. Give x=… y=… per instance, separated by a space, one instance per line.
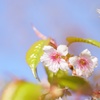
x=84 y=63
x=52 y=58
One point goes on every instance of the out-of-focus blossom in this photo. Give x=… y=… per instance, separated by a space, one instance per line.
x=96 y=95
x=98 y=10
x=88 y=98
x=52 y=58
x=84 y=63
x=59 y=98
x=64 y=97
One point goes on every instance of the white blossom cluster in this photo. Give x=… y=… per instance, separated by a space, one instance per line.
x=83 y=64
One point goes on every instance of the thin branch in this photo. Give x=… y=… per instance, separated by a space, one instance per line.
x=39 y=34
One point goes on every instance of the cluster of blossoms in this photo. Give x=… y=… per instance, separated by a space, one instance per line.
x=57 y=58
x=54 y=59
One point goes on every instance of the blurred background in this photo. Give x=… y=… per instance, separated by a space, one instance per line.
x=54 y=18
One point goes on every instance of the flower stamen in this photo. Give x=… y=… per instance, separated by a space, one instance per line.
x=56 y=57
x=83 y=63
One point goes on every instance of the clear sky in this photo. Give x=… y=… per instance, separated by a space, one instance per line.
x=54 y=18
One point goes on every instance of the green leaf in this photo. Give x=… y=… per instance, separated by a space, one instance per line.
x=50 y=75
x=28 y=91
x=10 y=89
x=21 y=90
x=61 y=74
x=89 y=41
x=75 y=83
x=34 y=53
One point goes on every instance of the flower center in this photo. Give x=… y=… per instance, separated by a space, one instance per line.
x=83 y=63
x=56 y=57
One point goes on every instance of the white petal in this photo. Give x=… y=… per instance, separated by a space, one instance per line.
x=63 y=65
x=54 y=67
x=86 y=52
x=44 y=57
x=45 y=60
x=87 y=73
x=73 y=60
x=78 y=72
x=62 y=49
x=95 y=61
x=48 y=49
x=47 y=63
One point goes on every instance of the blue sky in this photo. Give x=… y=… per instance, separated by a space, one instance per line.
x=54 y=18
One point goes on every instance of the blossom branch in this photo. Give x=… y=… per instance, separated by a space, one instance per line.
x=43 y=37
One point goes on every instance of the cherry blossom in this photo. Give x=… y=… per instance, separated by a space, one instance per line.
x=84 y=63
x=52 y=58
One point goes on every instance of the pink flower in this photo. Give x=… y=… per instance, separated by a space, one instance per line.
x=84 y=63
x=52 y=58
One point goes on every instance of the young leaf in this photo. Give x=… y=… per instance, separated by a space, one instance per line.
x=50 y=75
x=75 y=83
x=34 y=53
x=10 y=89
x=21 y=90
x=76 y=39
x=61 y=74
x=28 y=91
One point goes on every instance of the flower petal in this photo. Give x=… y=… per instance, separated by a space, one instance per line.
x=95 y=61
x=78 y=72
x=54 y=67
x=48 y=49
x=86 y=53
x=44 y=57
x=73 y=60
x=87 y=73
x=62 y=49
x=63 y=65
